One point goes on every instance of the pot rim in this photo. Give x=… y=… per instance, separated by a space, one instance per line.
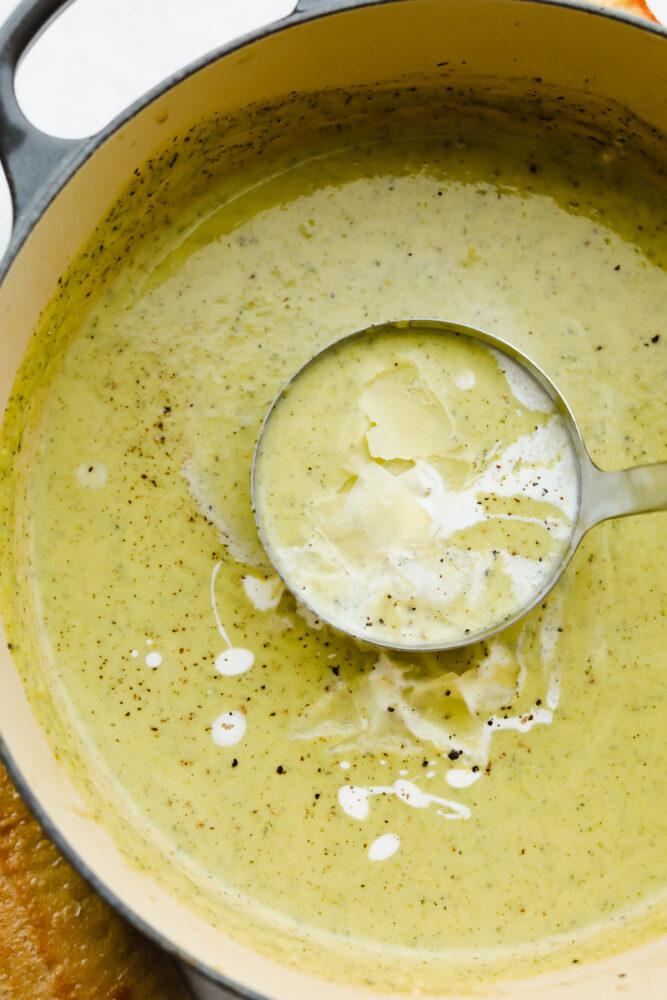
x=78 y=151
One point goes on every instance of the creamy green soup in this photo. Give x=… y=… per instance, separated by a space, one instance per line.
x=445 y=817
x=415 y=487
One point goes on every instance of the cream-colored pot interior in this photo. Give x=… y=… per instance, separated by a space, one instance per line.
x=573 y=49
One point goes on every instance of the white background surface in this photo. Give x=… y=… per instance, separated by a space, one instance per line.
x=102 y=54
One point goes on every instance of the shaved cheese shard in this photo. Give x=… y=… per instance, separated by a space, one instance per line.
x=334 y=714
x=407 y=418
x=413 y=705
x=264 y=594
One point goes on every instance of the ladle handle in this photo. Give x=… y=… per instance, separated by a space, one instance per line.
x=627 y=491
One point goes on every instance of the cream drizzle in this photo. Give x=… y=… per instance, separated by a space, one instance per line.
x=93 y=476
x=263 y=594
x=462 y=777
x=353 y=799
x=228 y=729
x=233 y=660
x=384 y=847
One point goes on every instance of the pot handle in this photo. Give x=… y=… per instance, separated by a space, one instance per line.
x=30 y=157
x=325 y=6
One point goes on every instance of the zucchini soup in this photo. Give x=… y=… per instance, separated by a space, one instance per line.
x=420 y=821
x=432 y=492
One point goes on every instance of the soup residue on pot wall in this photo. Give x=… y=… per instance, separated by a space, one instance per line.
x=483 y=812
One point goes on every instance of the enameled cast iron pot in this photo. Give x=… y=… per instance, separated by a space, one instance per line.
x=61 y=189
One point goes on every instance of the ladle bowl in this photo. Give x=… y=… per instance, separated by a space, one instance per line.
x=596 y=495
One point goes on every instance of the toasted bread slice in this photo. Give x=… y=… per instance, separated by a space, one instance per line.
x=59 y=940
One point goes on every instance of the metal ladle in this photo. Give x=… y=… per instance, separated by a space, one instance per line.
x=601 y=495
